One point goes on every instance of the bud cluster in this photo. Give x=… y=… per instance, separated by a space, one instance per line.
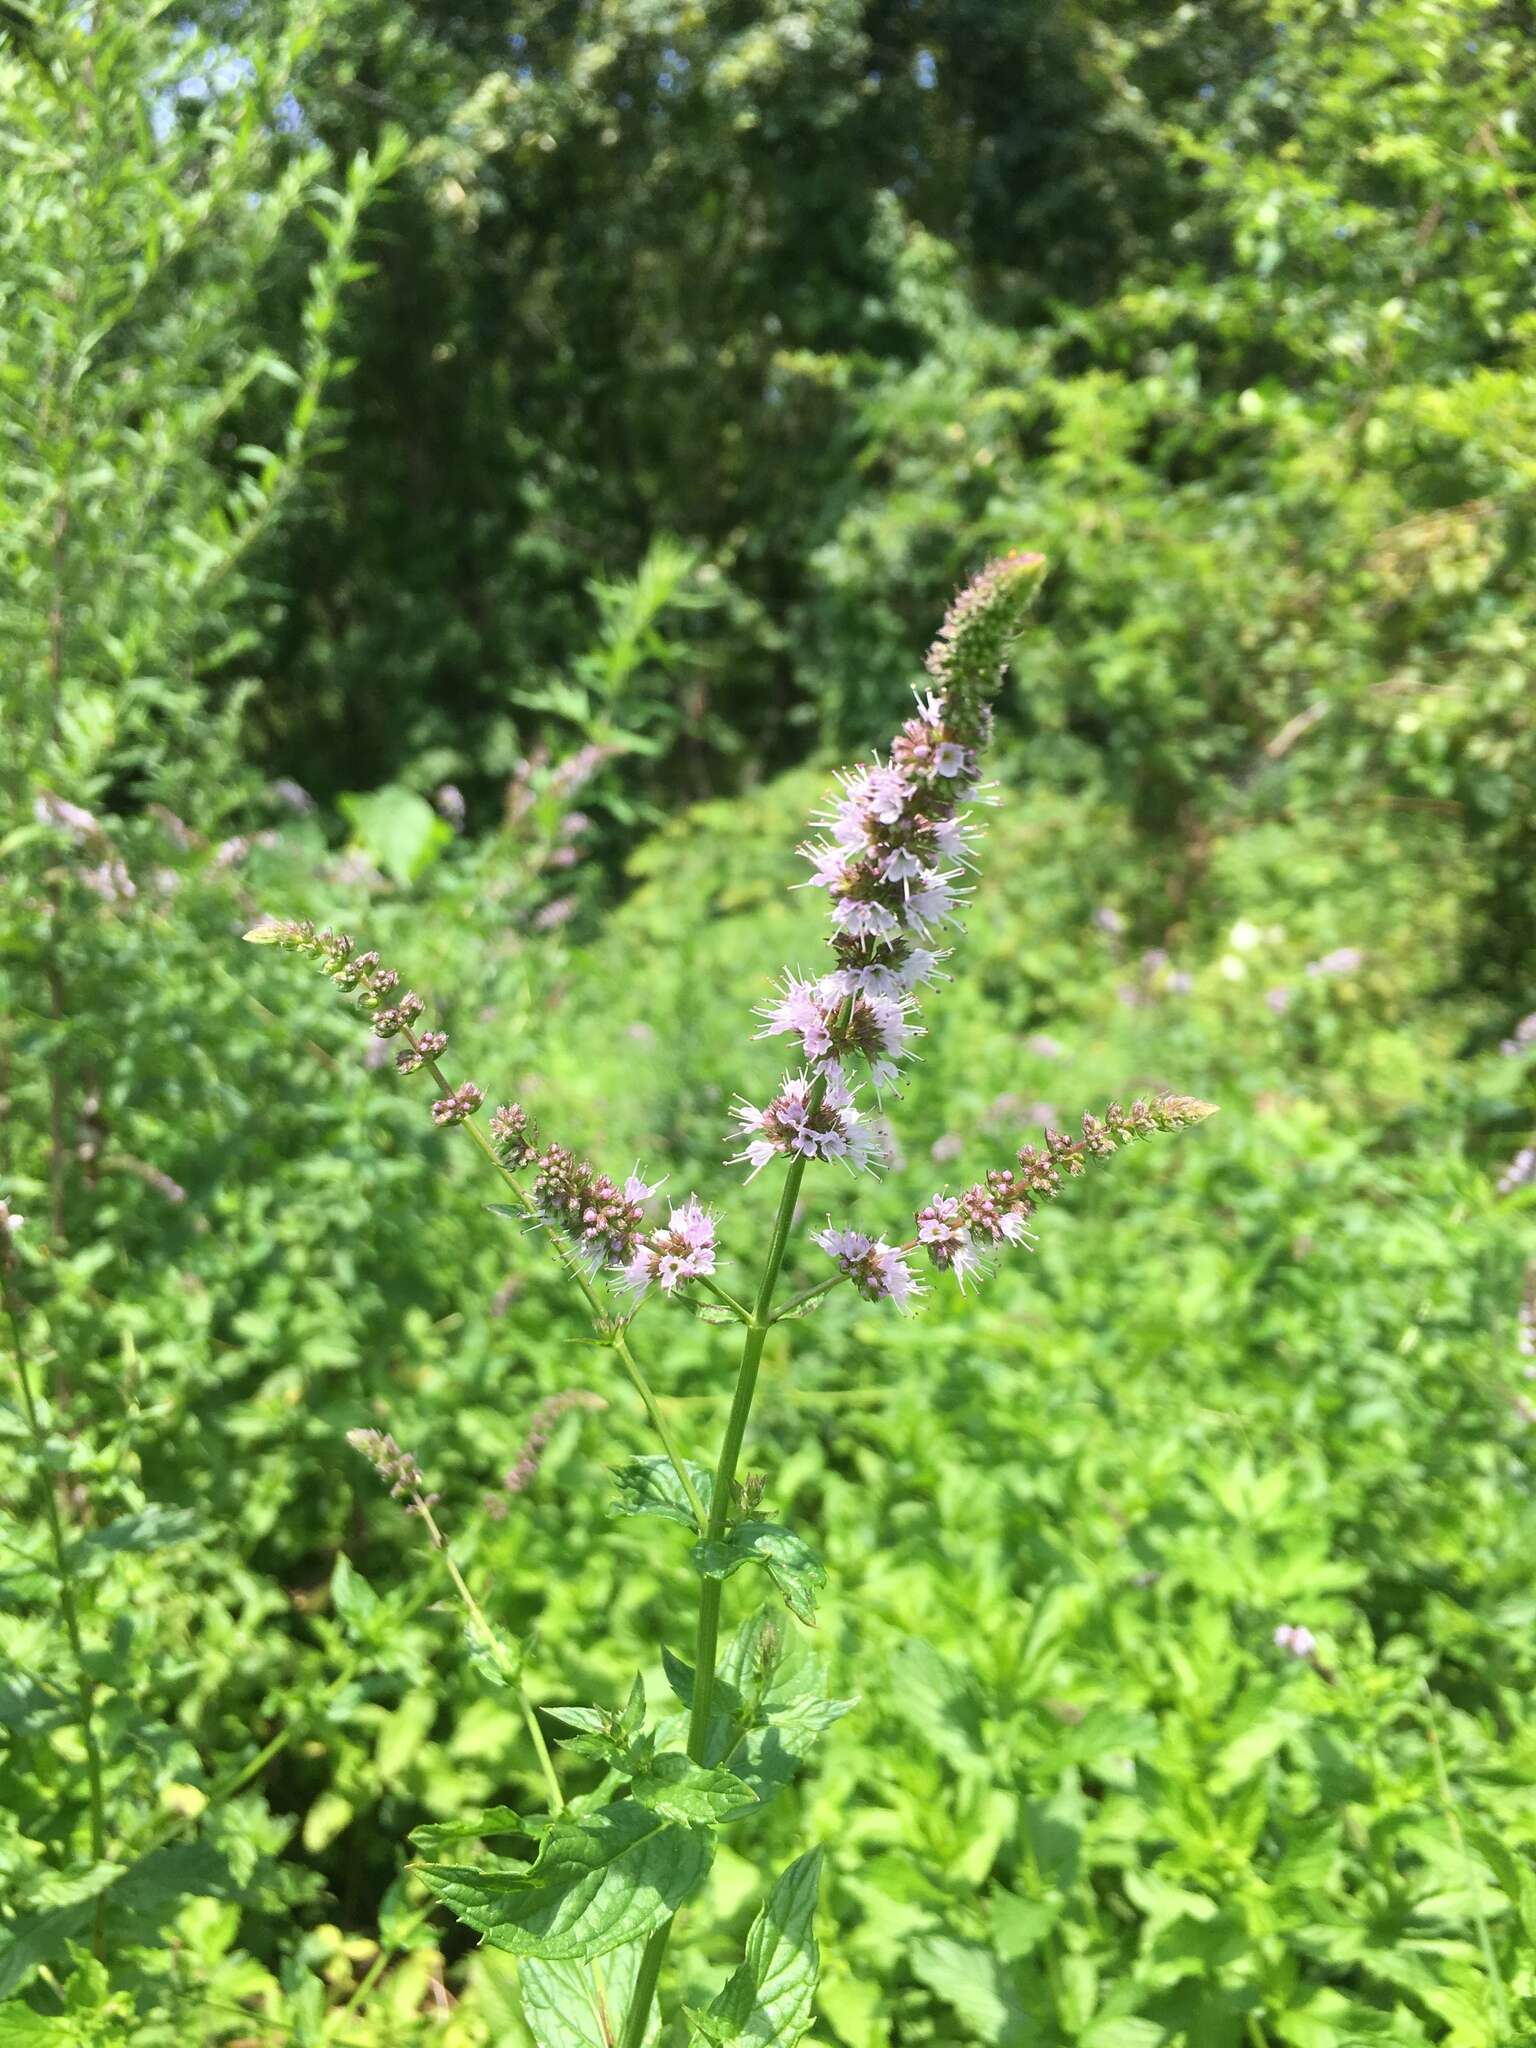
x=541 y=1422
x=601 y=1219
x=396 y=1467
x=957 y=1231
x=459 y=1106
x=514 y=1136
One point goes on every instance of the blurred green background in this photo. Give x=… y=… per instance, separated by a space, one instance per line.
x=467 y=475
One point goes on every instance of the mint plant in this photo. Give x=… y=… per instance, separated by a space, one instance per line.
x=591 y=1915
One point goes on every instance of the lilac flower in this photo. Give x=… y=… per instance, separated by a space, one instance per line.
x=558 y=911
x=448 y=802
x=1521 y=1039
x=1044 y=1047
x=74 y=819
x=684 y=1250
x=1278 y=1000
x=878 y=1271
x=831 y=1025
x=1520 y=1172
x=949 y=1146
x=1343 y=960
x=109 y=880
x=943 y=1232
x=1525 y=1325
x=1109 y=920
x=1298 y=1640
x=833 y=1129
x=293 y=796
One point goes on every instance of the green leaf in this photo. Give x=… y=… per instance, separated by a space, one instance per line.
x=153 y=1528
x=582 y=2005
x=21 y=2027
x=970 y=1980
x=396 y=828
x=792 y=1565
x=598 y=1881
x=474 y=1827
x=682 y=1790
x=649 y=1486
x=769 y=2000
x=354 y=1600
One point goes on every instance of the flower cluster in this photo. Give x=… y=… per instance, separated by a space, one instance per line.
x=831 y=1026
x=1520 y=1172
x=683 y=1250
x=816 y=1119
x=541 y=1422
x=958 y=1231
x=458 y=1107
x=1521 y=1039
x=877 y=1271
x=598 y=1217
x=514 y=1136
x=1296 y=1638
x=396 y=1467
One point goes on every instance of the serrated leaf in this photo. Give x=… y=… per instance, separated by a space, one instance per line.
x=352 y=1597
x=474 y=1827
x=968 y=1978
x=649 y=1486
x=768 y=2002
x=598 y=1881
x=792 y=1565
x=682 y=1790
x=583 y=2005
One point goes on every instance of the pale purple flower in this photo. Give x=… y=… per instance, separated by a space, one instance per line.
x=878 y=1271
x=1278 y=1000
x=1520 y=1172
x=293 y=796
x=1524 y=1411
x=448 y=802
x=79 y=823
x=558 y=911
x=1522 y=1038
x=109 y=880
x=1043 y=1046
x=684 y=1250
x=949 y=1147
x=1180 y=982
x=832 y=1025
x=944 y=1233
x=1342 y=960
x=1298 y=1640
x=1109 y=920
x=788 y=1125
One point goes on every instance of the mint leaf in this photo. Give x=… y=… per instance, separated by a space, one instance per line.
x=682 y=1790
x=793 y=1566
x=583 y=2005
x=769 y=2000
x=649 y=1486
x=598 y=1881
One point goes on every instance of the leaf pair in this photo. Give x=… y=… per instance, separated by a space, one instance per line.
x=650 y=1486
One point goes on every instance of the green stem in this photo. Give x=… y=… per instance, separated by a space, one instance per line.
x=85 y=1690
x=510 y=1674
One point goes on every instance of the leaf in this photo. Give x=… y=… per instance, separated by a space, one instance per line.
x=770 y=1703
x=353 y=1598
x=968 y=1978
x=598 y=1881
x=769 y=2000
x=649 y=1486
x=153 y=1528
x=583 y=2005
x=474 y=1827
x=792 y=1565
x=21 y=2027
x=396 y=828
x=674 y=1785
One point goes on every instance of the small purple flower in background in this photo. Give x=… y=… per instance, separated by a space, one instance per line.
x=1298 y=1640
x=540 y=1424
x=1524 y=1411
x=684 y=1250
x=1278 y=1000
x=1525 y=1322
x=1521 y=1039
x=1520 y=1172
x=1155 y=959
x=1107 y=919
x=1043 y=1046
x=448 y=802
x=558 y=911
x=878 y=1271
x=293 y=796
x=949 y=1147
x=74 y=819
x=1343 y=960
x=792 y=1123
x=1179 y=982
x=109 y=880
